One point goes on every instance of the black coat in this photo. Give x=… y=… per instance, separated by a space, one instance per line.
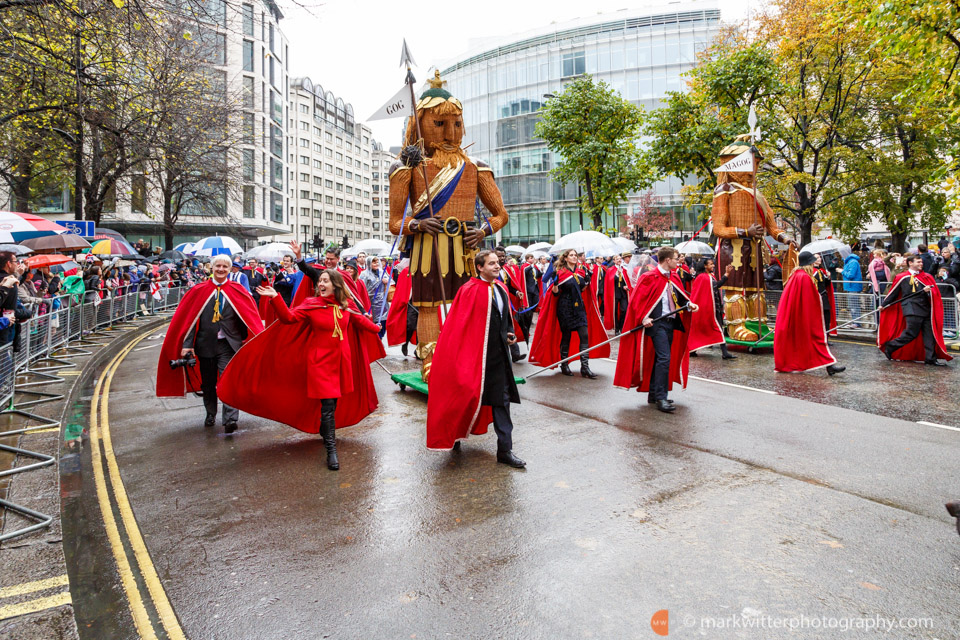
x=499 y=367
x=916 y=306
x=571 y=312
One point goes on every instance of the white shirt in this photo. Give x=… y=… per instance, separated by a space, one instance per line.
x=220 y=334
x=496 y=295
x=666 y=298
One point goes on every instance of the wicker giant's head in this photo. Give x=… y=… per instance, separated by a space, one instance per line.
x=740 y=144
x=441 y=124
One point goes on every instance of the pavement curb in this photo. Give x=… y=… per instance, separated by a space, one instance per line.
x=44 y=550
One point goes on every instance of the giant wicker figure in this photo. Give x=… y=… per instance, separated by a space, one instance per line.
x=741 y=218
x=441 y=247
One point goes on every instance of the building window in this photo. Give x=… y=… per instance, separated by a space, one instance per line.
x=316 y=196
x=328 y=152
x=349 y=190
x=328 y=199
x=339 y=187
x=276 y=107
x=340 y=203
x=574 y=64
x=276 y=141
x=328 y=184
x=317 y=147
x=317 y=180
x=249 y=198
x=305 y=194
x=248 y=56
x=249 y=129
x=248 y=101
x=276 y=173
x=328 y=216
x=248 y=20
x=138 y=193
x=304 y=143
x=248 y=169
x=304 y=160
x=305 y=126
x=328 y=168
x=276 y=200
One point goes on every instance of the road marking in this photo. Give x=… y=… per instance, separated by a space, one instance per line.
x=30 y=587
x=32 y=606
x=149 y=346
x=938 y=426
x=137 y=609
x=167 y=616
x=738 y=386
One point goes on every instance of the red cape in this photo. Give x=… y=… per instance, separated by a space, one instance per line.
x=173 y=383
x=457 y=374
x=269 y=377
x=397 y=314
x=705 y=331
x=833 y=303
x=517 y=303
x=636 y=355
x=892 y=323
x=545 y=346
x=800 y=337
x=609 y=295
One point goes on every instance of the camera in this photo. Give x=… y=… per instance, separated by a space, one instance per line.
x=189 y=361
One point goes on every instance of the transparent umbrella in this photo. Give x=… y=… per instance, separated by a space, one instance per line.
x=828 y=246
x=592 y=244
x=271 y=252
x=626 y=244
x=515 y=248
x=539 y=246
x=695 y=248
x=371 y=247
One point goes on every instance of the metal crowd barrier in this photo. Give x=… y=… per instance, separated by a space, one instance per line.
x=38 y=351
x=852 y=305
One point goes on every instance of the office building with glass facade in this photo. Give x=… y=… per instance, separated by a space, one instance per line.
x=640 y=53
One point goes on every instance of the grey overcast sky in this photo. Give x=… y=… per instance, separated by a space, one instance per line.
x=352 y=48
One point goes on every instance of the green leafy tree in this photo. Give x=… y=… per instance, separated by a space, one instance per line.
x=595 y=131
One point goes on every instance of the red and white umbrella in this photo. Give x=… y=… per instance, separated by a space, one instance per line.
x=15 y=227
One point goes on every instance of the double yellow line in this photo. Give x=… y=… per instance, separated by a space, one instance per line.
x=100 y=431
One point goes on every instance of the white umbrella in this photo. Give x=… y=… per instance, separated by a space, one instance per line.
x=371 y=247
x=349 y=252
x=271 y=252
x=828 y=246
x=695 y=248
x=515 y=248
x=626 y=244
x=539 y=246
x=217 y=245
x=536 y=254
x=592 y=244
x=185 y=247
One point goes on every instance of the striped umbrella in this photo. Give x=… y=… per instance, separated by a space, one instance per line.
x=112 y=248
x=15 y=227
x=216 y=245
x=186 y=247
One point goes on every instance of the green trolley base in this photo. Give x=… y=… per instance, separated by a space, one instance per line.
x=413 y=380
x=752 y=345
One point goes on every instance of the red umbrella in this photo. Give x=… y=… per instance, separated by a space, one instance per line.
x=46 y=260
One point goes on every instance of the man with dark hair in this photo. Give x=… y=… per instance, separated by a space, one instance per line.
x=472 y=382
x=331 y=259
x=9 y=288
x=929 y=262
x=919 y=314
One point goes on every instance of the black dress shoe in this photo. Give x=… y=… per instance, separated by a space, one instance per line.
x=230 y=427
x=519 y=358
x=833 y=369
x=935 y=363
x=209 y=422
x=953 y=508
x=729 y=356
x=456 y=446
x=511 y=460
x=887 y=351
x=666 y=406
x=403 y=349
x=655 y=401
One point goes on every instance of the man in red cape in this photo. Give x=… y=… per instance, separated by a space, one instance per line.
x=616 y=295
x=913 y=329
x=212 y=314
x=510 y=276
x=652 y=358
x=472 y=381
x=800 y=335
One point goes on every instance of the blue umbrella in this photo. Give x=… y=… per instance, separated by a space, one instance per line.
x=216 y=245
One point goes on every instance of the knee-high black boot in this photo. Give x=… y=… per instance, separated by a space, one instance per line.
x=565 y=367
x=327 y=431
x=585 y=367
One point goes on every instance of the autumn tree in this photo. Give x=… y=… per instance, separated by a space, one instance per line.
x=595 y=132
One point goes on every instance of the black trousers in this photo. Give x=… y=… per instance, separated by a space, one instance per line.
x=581 y=332
x=525 y=320
x=620 y=313
x=661 y=333
x=503 y=423
x=916 y=325
x=210 y=370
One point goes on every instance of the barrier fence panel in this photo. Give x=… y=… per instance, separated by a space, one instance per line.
x=950 y=310
x=7 y=375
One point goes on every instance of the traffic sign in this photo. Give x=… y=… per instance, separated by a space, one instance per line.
x=79 y=227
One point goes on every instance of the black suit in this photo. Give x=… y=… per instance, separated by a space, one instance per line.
x=499 y=387
x=916 y=314
x=661 y=334
x=621 y=297
x=214 y=352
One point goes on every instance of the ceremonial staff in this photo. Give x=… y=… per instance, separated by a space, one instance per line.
x=639 y=327
x=407 y=60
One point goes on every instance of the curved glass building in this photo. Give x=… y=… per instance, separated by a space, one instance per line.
x=641 y=53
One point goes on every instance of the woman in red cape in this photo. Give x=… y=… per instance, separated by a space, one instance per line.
x=176 y=382
x=636 y=355
x=705 y=331
x=311 y=372
x=397 y=325
x=800 y=335
x=457 y=373
x=545 y=349
x=610 y=291
x=893 y=323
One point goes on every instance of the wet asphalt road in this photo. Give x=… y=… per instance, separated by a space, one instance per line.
x=743 y=503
